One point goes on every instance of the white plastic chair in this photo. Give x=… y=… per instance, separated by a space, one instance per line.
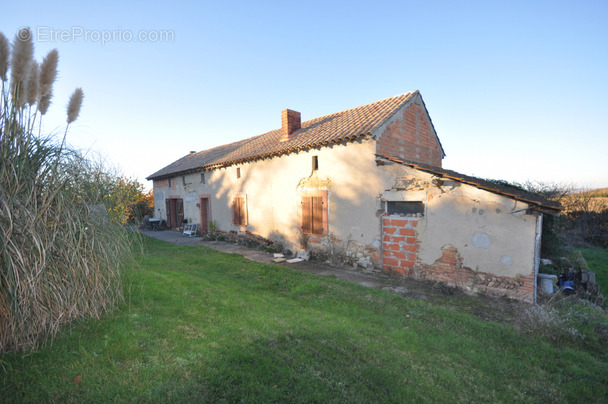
x=191 y=229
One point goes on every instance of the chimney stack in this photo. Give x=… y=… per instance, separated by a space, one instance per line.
x=290 y=122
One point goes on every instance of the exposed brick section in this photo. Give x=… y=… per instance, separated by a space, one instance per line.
x=291 y=121
x=450 y=270
x=160 y=183
x=400 y=247
x=411 y=138
x=399 y=244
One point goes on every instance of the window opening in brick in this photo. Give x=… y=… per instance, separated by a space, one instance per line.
x=184 y=180
x=238 y=172
x=169 y=182
x=404 y=208
x=315 y=163
x=203 y=178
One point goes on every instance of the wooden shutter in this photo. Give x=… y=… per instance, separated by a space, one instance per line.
x=168 y=212
x=317 y=214
x=243 y=210
x=239 y=211
x=235 y=211
x=307 y=214
x=180 y=212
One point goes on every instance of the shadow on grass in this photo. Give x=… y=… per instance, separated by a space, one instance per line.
x=296 y=366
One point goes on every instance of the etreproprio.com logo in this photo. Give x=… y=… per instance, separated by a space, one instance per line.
x=102 y=36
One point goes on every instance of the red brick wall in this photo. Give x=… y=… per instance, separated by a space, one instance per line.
x=160 y=183
x=411 y=137
x=400 y=246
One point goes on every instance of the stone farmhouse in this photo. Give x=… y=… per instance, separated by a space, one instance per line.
x=364 y=187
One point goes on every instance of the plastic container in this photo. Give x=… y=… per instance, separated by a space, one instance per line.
x=546 y=282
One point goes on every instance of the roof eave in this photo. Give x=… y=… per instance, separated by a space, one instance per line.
x=535 y=205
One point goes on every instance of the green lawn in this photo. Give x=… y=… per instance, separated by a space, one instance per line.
x=597 y=260
x=205 y=326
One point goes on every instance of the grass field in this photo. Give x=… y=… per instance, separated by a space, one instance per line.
x=205 y=326
x=597 y=260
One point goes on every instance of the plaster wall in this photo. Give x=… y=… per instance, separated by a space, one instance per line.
x=492 y=233
x=273 y=186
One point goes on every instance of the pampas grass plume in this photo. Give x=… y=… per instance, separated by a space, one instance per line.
x=23 y=54
x=74 y=105
x=32 y=84
x=4 y=56
x=44 y=102
x=48 y=72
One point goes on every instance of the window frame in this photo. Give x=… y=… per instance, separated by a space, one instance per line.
x=413 y=208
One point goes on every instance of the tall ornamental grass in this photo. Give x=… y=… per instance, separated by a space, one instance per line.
x=60 y=253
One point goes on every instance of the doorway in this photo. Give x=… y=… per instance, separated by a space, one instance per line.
x=205 y=215
x=175 y=213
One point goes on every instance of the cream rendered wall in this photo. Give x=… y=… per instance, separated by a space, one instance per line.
x=491 y=232
x=271 y=187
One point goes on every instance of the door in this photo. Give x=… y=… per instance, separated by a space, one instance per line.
x=204 y=202
x=168 y=212
x=175 y=213
x=179 y=208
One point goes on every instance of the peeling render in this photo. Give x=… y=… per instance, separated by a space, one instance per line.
x=467 y=237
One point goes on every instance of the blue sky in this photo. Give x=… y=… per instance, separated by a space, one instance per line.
x=517 y=90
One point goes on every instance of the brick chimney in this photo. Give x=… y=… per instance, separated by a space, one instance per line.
x=290 y=122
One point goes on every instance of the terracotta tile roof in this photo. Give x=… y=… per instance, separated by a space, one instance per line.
x=330 y=129
x=543 y=204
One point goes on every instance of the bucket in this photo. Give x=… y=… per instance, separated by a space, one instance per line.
x=546 y=282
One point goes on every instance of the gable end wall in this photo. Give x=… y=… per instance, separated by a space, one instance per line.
x=410 y=136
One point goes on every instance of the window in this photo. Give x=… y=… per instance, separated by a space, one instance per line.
x=203 y=178
x=169 y=183
x=184 y=180
x=313 y=218
x=238 y=172
x=239 y=210
x=315 y=163
x=404 y=208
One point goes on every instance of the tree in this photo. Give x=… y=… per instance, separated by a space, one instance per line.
x=127 y=202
